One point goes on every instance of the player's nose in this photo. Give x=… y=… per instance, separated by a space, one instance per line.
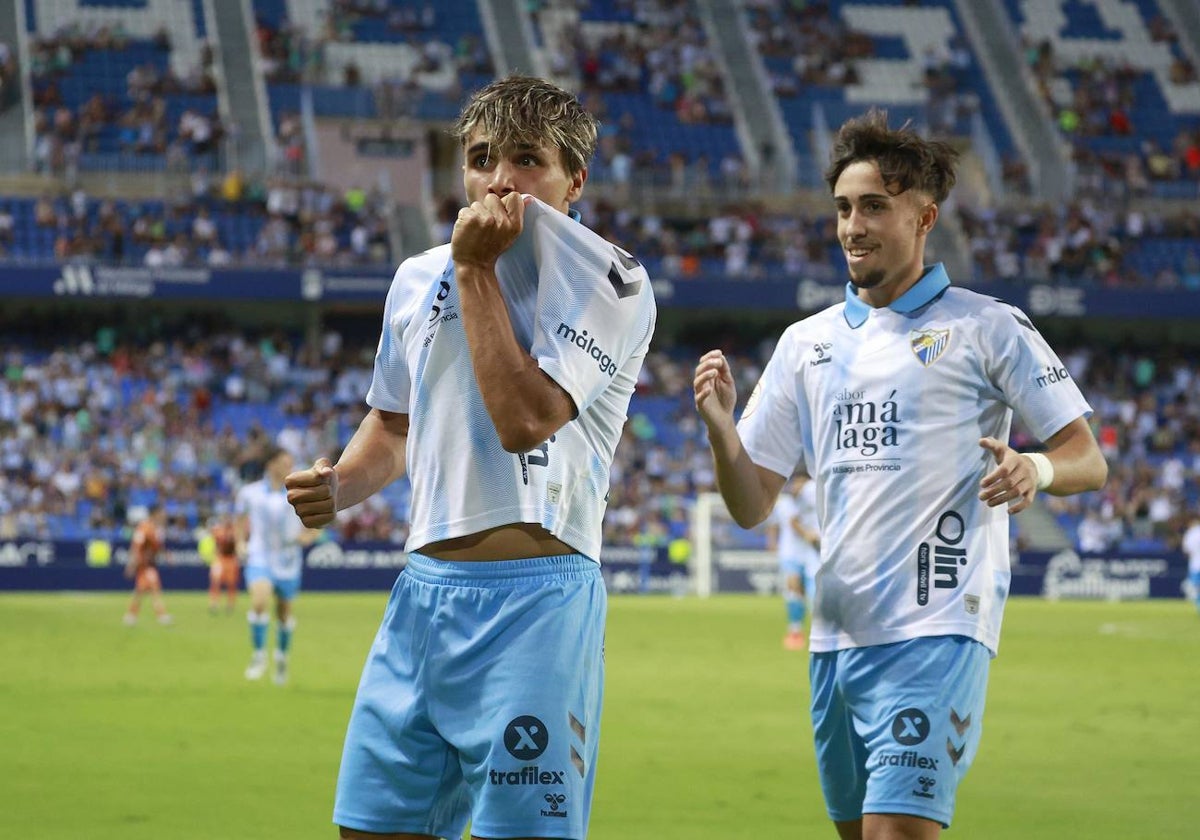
x=854 y=226
x=503 y=180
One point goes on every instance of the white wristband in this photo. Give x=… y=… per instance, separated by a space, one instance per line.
x=1045 y=469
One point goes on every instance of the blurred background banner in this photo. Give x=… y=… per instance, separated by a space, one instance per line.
x=330 y=566
x=1065 y=300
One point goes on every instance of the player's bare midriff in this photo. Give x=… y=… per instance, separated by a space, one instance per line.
x=506 y=542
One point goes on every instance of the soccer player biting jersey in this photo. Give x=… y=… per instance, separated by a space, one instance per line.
x=504 y=371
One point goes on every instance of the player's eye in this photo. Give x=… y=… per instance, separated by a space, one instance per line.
x=481 y=162
x=528 y=160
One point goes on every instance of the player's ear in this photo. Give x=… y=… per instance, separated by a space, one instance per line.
x=927 y=219
x=576 y=188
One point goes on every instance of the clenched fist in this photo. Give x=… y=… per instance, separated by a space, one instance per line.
x=313 y=493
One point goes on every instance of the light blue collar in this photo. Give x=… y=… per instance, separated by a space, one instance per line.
x=575 y=214
x=932 y=283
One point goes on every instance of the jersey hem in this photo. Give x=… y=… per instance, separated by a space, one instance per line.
x=380 y=827
x=554 y=368
x=908 y=809
x=372 y=399
x=524 y=830
x=843 y=641
x=434 y=533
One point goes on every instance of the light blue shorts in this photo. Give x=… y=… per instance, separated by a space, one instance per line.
x=286 y=589
x=897 y=726
x=480 y=700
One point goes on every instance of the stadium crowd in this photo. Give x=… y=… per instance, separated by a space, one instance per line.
x=292 y=54
x=224 y=221
x=1087 y=242
x=10 y=80
x=662 y=55
x=1094 y=97
x=92 y=434
x=138 y=119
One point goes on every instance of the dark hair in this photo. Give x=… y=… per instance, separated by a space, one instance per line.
x=528 y=111
x=906 y=160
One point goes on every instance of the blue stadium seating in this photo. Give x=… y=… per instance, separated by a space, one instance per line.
x=798 y=109
x=455 y=22
x=1150 y=113
x=657 y=131
x=105 y=71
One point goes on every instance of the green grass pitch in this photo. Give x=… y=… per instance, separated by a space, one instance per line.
x=1092 y=727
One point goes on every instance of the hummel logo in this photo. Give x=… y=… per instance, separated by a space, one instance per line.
x=577 y=727
x=1024 y=322
x=624 y=288
x=926 y=782
x=555 y=801
x=822 y=357
x=1018 y=316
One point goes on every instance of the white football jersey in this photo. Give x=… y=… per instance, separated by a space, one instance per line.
x=585 y=311
x=1191 y=547
x=792 y=547
x=885 y=409
x=806 y=509
x=274 y=530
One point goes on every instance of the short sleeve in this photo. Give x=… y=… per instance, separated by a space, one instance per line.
x=391 y=380
x=241 y=505
x=770 y=425
x=1030 y=375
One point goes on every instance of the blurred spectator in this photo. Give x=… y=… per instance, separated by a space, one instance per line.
x=10 y=83
x=289 y=222
x=132 y=123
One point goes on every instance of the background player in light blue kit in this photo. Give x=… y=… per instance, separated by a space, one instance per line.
x=899 y=403
x=274 y=541
x=798 y=546
x=502 y=379
x=1191 y=548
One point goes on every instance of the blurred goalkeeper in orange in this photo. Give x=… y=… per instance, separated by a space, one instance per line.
x=148 y=540
x=225 y=571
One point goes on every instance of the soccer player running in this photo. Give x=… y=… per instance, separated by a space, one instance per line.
x=147 y=543
x=223 y=574
x=1191 y=547
x=274 y=541
x=501 y=385
x=798 y=546
x=899 y=402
